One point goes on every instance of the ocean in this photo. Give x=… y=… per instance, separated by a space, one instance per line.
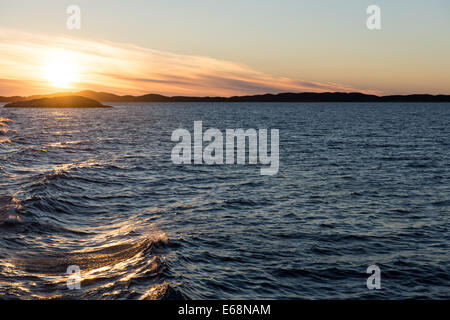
x=358 y=184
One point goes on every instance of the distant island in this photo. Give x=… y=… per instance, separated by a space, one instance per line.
x=281 y=97
x=57 y=102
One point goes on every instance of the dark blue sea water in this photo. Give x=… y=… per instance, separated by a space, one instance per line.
x=358 y=184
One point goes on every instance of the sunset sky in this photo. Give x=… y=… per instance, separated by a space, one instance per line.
x=233 y=47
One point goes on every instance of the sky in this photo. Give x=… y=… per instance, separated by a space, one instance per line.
x=232 y=47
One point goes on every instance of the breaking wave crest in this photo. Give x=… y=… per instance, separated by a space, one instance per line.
x=127 y=270
x=4 y=130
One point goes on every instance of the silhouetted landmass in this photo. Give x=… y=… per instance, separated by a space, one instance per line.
x=57 y=102
x=281 y=97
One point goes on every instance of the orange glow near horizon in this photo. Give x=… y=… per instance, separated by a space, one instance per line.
x=40 y=64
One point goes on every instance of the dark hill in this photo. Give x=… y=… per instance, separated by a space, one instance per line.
x=281 y=97
x=57 y=102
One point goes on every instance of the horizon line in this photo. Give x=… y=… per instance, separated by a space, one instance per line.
x=264 y=97
x=219 y=96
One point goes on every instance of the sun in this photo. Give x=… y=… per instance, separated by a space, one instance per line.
x=61 y=70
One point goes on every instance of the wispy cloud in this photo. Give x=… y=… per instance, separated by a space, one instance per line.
x=130 y=69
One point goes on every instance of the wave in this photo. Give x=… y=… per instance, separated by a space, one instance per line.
x=4 y=122
x=108 y=256
x=163 y=291
x=9 y=208
x=106 y=272
x=4 y=140
x=66 y=172
x=5 y=119
x=4 y=130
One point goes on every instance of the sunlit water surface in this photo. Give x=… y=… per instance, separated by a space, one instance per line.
x=358 y=184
